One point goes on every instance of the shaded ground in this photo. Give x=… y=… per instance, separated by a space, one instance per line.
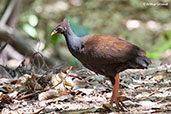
x=82 y=91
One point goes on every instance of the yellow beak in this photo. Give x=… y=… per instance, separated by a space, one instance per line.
x=53 y=33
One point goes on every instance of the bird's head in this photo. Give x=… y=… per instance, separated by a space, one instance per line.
x=61 y=28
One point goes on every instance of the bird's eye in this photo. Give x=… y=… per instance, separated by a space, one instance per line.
x=60 y=29
x=65 y=28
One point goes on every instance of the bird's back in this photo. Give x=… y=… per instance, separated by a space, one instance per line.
x=102 y=53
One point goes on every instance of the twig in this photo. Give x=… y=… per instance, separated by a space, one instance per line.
x=3 y=47
x=8 y=12
x=38 y=64
x=10 y=15
x=37 y=92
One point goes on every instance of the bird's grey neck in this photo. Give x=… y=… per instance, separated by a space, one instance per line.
x=73 y=42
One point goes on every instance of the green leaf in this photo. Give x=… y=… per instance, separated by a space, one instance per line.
x=165 y=46
x=155 y=55
x=55 y=38
x=162 y=44
x=72 y=61
x=77 y=28
x=169 y=34
x=30 y=30
x=33 y=20
x=45 y=47
x=49 y=29
x=61 y=40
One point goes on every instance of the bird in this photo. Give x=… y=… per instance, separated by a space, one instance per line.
x=104 y=54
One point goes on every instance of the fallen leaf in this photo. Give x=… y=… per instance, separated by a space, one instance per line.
x=48 y=95
x=158 y=77
x=147 y=103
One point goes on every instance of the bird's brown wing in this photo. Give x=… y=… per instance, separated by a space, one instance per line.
x=109 y=49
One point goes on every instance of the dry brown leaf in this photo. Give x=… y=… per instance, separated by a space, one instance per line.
x=109 y=107
x=62 y=80
x=85 y=91
x=48 y=95
x=30 y=81
x=5 y=99
x=158 y=77
x=60 y=92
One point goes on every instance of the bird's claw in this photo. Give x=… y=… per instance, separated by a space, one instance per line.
x=119 y=102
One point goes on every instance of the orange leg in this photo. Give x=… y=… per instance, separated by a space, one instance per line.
x=116 y=96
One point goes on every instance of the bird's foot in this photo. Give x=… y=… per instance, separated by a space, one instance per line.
x=120 y=106
x=110 y=108
x=119 y=102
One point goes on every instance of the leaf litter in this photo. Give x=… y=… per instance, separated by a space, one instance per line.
x=78 y=90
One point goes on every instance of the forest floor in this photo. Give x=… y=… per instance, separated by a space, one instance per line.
x=76 y=91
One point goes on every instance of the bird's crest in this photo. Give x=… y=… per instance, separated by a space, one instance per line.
x=65 y=23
